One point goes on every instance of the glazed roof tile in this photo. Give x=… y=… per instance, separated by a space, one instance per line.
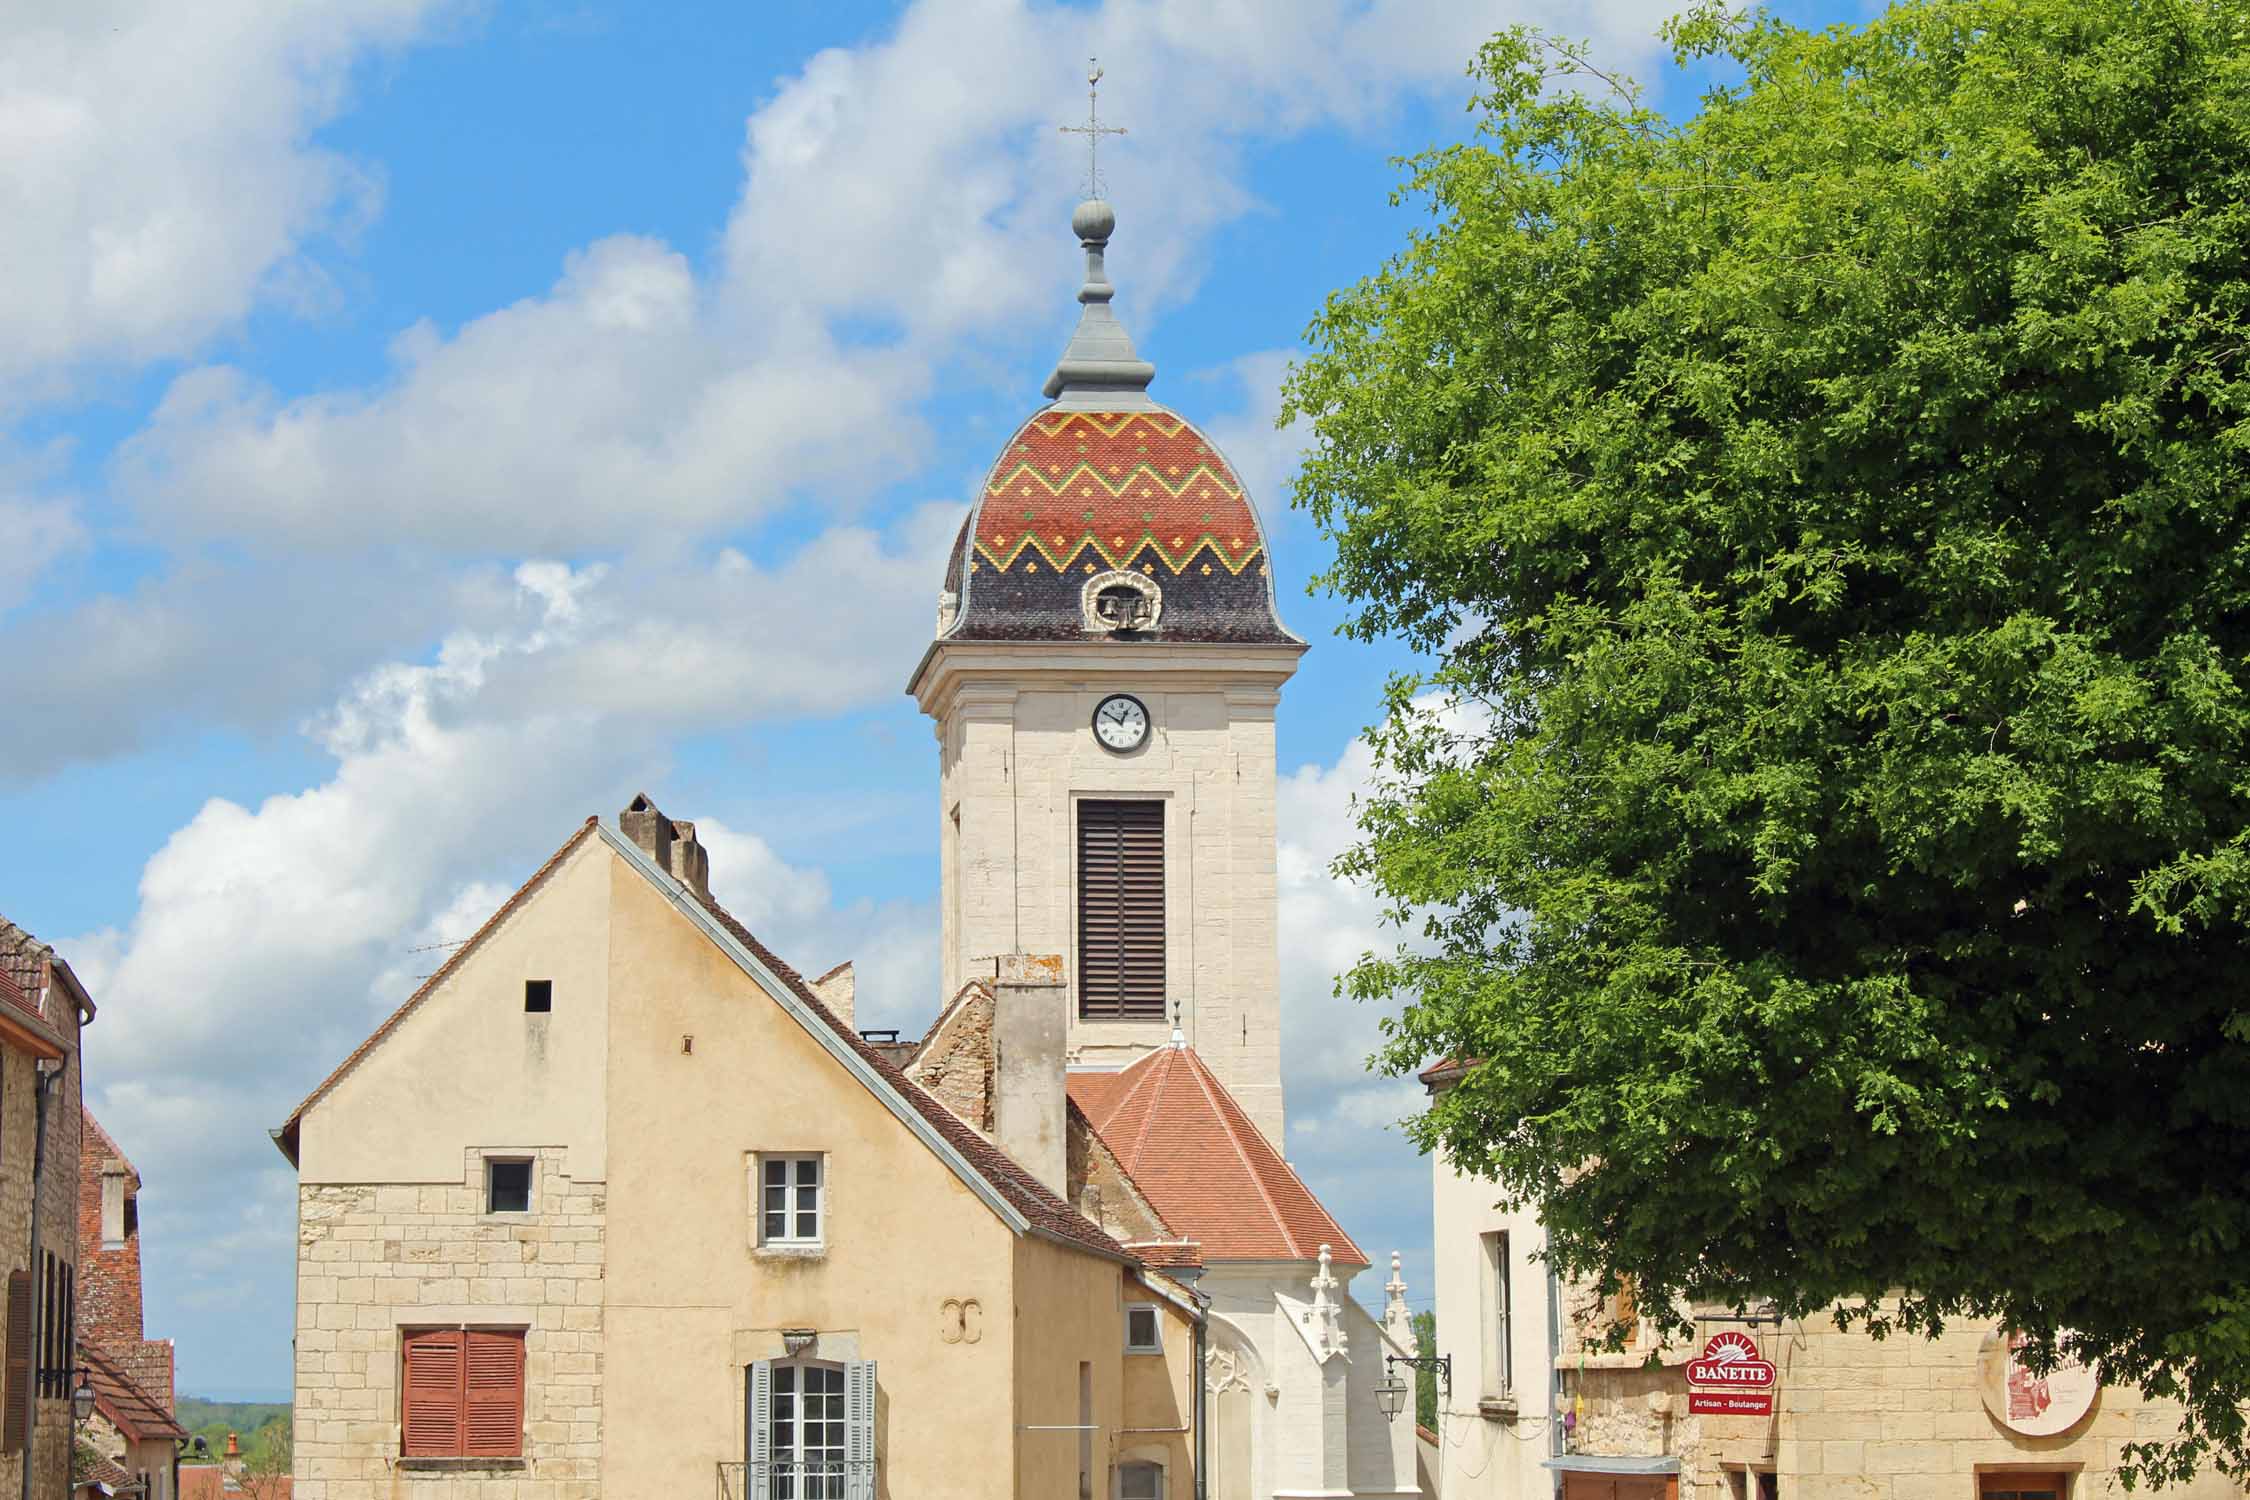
x=1205 y=1167
x=1077 y=494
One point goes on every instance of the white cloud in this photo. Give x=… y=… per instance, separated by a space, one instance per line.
x=33 y=533
x=157 y=176
x=901 y=205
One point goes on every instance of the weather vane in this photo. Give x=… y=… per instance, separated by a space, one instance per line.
x=1093 y=129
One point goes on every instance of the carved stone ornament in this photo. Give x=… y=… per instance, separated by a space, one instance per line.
x=1120 y=600
x=1225 y=1370
x=960 y=1320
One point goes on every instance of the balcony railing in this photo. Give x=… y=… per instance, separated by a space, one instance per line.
x=830 y=1480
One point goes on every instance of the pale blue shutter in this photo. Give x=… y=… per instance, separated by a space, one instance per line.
x=859 y=1430
x=760 y=1419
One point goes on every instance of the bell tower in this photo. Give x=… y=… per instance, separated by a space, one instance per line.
x=1103 y=682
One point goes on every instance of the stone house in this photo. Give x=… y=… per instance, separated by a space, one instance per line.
x=42 y=1010
x=134 y=1423
x=615 y=1204
x=1538 y=1409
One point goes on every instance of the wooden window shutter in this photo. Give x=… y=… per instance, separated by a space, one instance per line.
x=492 y=1401
x=430 y=1424
x=760 y=1399
x=859 y=1430
x=1121 y=910
x=19 y=1362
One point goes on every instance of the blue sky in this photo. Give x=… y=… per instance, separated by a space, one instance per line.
x=423 y=423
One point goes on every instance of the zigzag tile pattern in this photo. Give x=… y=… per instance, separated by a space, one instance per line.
x=1081 y=491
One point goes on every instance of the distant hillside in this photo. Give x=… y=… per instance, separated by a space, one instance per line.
x=213 y=1420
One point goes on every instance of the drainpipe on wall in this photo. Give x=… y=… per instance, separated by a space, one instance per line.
x=1202 y=1424
x=38 y=1172
x=1555 y=1405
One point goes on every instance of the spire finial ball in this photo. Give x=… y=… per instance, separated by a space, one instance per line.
x=1093 y=221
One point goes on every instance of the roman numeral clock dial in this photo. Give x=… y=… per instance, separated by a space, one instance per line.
x=1121 y=722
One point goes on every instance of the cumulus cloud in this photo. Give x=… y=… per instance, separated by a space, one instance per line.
x=898 y=208
x=268 y=940
x=156 y=173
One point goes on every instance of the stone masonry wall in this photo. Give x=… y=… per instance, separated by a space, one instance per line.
x=373 y=1260
x=1856 y=1418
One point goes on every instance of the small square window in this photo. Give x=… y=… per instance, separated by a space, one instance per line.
x=538 y=996
x=507 y=1187
x=789 y=1200
x=1140 y=1329
x=1140 y=1482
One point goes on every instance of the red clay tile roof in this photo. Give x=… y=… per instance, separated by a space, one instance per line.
x=1207 y=1169
x=21 y=959
x=286 y=1136
x=1030 y=1197
x=107 y=1472
x=1163 y=1253
x=135 y=1412
x=1446 y=1069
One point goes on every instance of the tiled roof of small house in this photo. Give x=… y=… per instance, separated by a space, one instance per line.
x=1205 y=1167
x=1445 y=1070
x=120 y=1398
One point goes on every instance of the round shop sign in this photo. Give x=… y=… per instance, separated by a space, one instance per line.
x=2031 y=1404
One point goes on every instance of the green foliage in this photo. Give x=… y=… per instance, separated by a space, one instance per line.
x=213 y=1420
x=1424 y=1325
x=1828 y=819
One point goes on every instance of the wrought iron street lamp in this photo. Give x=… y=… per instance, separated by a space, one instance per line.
x=1392 y=1392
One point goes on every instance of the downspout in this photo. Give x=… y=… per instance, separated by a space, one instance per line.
x=38 y=1332
x=1555 y=1405
x=1202 y=1424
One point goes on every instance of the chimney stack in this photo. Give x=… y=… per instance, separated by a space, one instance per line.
x=1029 y=1016
x=669 y=843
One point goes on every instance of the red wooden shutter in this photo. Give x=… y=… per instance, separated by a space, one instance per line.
x=19 y=1361
x=1121 y=910
x=493 y=1407
x=431 y=1424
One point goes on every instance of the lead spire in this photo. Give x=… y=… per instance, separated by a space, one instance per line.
x=1099 y=369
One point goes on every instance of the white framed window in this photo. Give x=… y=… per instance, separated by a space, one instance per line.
x=1141 y=1329
x=792 y=1199
x=1140 y=1482
x=1499 y=1341
x=811 y=1430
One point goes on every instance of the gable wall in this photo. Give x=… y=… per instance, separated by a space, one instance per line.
x=392 y=1233
x=692 y=1300
x=468 y=1066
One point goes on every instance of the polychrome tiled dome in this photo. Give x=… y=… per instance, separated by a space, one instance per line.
x=1106 y=482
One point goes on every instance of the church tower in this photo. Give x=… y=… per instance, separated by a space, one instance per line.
x=1103 y=682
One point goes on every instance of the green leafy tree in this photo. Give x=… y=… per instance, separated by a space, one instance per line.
x=1827 y=817
x=266 y=1472
x=1424 y=1325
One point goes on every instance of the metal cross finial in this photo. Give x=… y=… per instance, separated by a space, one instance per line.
x=1093 y=129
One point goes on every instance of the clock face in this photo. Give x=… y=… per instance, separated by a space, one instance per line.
x=1120 y=722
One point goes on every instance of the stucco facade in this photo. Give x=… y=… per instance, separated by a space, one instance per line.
x=665 y=1070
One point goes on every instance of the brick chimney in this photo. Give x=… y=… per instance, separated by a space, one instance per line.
x=670 y=843
x=1029 y=1019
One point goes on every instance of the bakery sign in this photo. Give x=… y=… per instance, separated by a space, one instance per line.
x=1731 y=1379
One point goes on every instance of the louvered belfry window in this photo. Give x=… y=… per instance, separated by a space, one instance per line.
x=463 y=1394
x=1121 y=910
